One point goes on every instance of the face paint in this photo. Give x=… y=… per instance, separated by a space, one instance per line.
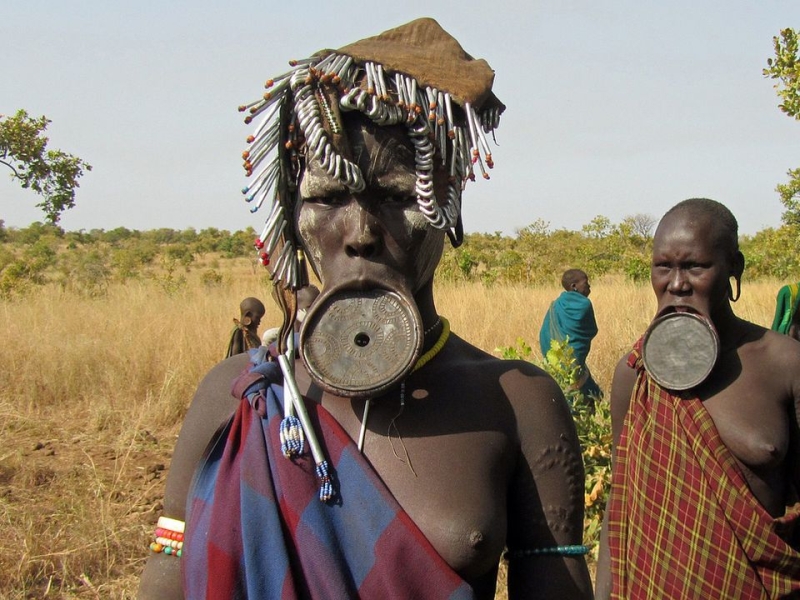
x=372 y=251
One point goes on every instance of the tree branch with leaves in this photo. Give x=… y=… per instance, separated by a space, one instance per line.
x=53 y=174
x=785 y=68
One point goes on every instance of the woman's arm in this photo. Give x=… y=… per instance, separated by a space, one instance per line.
x=210 y=409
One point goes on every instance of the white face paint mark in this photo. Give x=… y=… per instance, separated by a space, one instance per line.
x=385 y=213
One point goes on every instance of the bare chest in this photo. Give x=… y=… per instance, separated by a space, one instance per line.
x=751 y=416
x=450 y=479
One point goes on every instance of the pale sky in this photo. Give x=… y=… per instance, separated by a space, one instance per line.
x=613 y=108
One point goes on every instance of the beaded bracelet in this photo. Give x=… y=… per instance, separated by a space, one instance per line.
x=168 y=538
x=574 y=550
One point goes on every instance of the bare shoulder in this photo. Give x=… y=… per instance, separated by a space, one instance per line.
x=211 y=407
x=220 y=377
x=782 y=348
x=520 y=381
x=540 y=412
x=775 y=355
x=620 y=398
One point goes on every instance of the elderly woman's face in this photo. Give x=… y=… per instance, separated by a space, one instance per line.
x=690 y=271
x=377 y=237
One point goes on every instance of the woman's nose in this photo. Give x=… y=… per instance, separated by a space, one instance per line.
x=678 y=282
x=362 y=235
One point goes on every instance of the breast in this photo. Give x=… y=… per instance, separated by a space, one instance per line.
x=457 y=495
x=758 y=437
x=470 y=543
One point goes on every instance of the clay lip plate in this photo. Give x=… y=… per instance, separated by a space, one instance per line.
x=679 y=350
x=361 y=342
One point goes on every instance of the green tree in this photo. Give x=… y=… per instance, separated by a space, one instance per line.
x=785 y=68
x=53 y=174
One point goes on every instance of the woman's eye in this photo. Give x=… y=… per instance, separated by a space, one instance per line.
x=324 y=200
x=400 y=199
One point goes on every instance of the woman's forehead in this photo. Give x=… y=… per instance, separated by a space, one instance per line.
x=394 y=178
x=384 y=155
x=688 y=234
x=686 y=225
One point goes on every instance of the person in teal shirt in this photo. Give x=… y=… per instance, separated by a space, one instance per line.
x=571 y=318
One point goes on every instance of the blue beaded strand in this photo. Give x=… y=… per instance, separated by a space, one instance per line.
x=573 y=550
x=292 y=437
x=326 y=487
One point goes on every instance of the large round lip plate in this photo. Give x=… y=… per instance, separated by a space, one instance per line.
x=679 y=350
x=360 y=343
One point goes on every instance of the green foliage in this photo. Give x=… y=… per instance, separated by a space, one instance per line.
x=773 y=253
x=534 y=256
x=594 y=433
x=21 y=273
x=537 y=255
x=520 y=351
x=131 y=258
x=466 y=263
x=167 y=279
x=85 y=271
x=637 y=269
x=561 y=365
x=785 y=69
x=789 y=193
x=211 y=278
x=180 y=254
x=593 y=424
x=53 y=174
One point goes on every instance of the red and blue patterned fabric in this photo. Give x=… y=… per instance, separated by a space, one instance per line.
x=682 y=521
x=257 y=529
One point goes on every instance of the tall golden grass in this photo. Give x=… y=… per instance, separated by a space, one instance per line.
x=92 y=391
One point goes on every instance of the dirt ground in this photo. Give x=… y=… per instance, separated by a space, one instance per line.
x=77 y=507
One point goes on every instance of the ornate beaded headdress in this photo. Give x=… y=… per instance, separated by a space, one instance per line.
x=417 y=75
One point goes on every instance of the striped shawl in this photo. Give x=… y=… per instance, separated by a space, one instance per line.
x=257 y=529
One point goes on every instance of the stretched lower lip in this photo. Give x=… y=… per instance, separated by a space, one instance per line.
x=678 y=309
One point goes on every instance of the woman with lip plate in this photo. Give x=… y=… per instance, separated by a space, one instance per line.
x=703 y=501
x=386 y=457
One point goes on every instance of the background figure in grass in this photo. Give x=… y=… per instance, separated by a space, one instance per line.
x=423 y=457
x=305 y=298
x=704 y=494
x=245 y=331
x=787 y=317
x=571 y=317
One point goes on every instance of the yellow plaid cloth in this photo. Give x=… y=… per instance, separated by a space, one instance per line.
x=683 y=523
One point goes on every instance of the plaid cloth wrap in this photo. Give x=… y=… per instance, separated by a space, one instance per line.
x=257 y=529
x=682 y=520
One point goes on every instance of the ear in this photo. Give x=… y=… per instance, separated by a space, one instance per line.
x=737 y=267
x=247 y=319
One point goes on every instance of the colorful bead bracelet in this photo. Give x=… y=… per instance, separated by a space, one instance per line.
x=168 y=538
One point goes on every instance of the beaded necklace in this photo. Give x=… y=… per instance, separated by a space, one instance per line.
x=421 y=362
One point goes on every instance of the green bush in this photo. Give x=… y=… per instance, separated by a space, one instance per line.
x=211 y=278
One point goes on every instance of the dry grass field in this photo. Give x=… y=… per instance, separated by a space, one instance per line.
x=92 y=391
